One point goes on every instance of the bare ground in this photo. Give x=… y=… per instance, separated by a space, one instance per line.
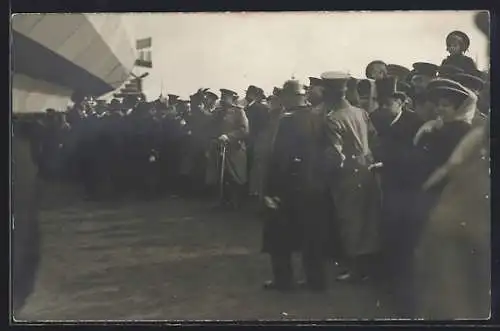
x=169 y=259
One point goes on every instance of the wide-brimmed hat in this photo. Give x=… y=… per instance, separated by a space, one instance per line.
x=461 y=35
x=225 y=91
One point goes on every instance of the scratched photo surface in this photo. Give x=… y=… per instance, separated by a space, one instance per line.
x=250 y=166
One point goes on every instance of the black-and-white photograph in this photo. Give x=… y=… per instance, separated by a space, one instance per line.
x=251 y=166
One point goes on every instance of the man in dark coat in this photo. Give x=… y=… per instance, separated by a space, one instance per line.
x=297 y=194
x=229 y=128
x=396 y=129
x=258 y=118
x=354 y=187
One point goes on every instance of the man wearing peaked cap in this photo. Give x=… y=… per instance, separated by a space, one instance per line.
x=423 y=73
x=296 y=196
x=335 y=86
x=228 y=96
x=457 y=43
x=355 y=190
x=229 y=128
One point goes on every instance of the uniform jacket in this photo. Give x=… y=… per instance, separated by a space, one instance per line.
x=232 y=122
x=297 y=178
x=355 y=189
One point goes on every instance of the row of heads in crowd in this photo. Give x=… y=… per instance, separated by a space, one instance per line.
x=382 y=81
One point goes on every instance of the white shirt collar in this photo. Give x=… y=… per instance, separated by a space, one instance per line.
x=251 y=103
x=398 y=116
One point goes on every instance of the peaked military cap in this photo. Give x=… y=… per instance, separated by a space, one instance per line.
x=173 y=97
x=440 y=87
x=335 y=80
x=224 y=91
x=253 y=89
x=437 y=82
x=398 y=71
x=438 y=92
x=461 y=35
x=470 y=81
x=426 y=69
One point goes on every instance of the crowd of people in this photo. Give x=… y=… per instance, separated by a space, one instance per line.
x=347 y=169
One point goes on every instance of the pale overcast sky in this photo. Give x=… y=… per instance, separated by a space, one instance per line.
x=234 y=50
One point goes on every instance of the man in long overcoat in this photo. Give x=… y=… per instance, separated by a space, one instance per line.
x=229 y=128
x=297 y=194
x=258 y=118
x=353 y=185
x=396 y=129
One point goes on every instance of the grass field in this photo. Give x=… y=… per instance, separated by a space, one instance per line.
x=169 y=259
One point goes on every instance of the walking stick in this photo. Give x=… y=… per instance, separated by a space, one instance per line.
x=222 y=169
